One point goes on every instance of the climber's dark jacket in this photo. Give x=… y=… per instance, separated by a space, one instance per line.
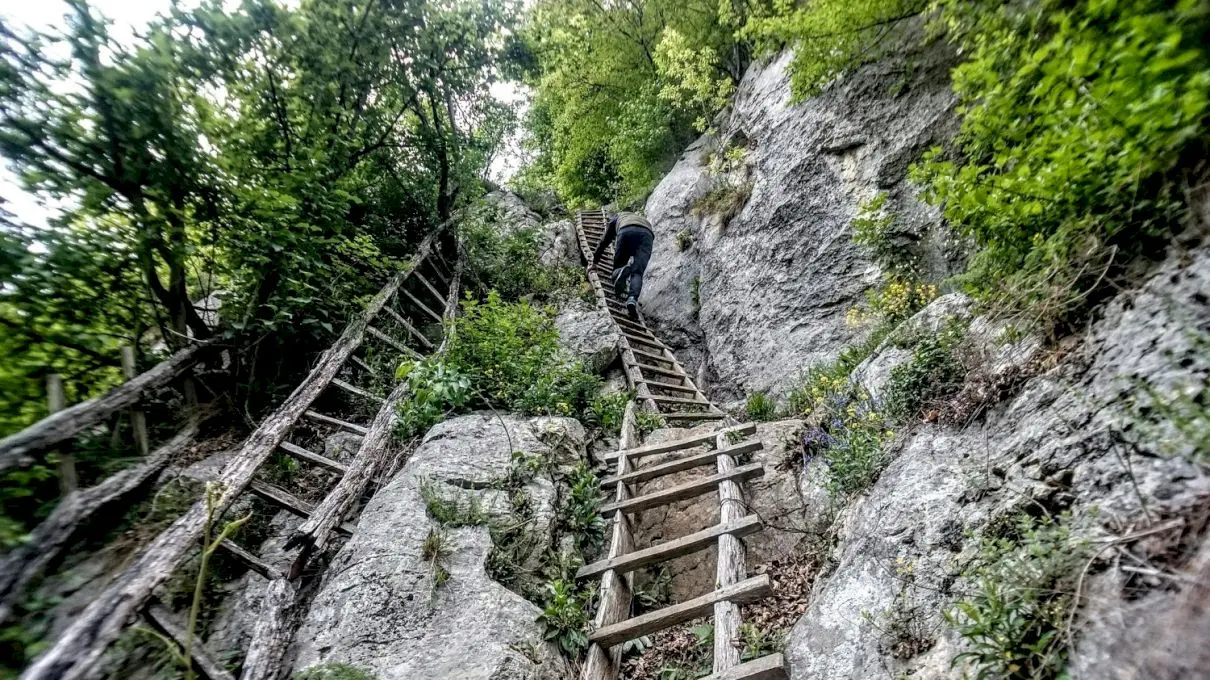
x=634 y=238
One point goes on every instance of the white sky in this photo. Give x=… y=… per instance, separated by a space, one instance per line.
x=129 y=16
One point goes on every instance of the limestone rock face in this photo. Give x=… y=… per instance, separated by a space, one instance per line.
x=587 y=333
x=772 y=284
x=380 y=608
x=1062 y=443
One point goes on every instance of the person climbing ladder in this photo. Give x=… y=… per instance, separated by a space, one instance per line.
x=631 y=253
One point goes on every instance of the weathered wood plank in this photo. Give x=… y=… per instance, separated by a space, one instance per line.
x=250 y=561
x=395 y=344
x=750 y=590
x=678 y=400
x=81 y=644
x=668 y=550
x=329 y=420
x=684 y=491
x=648 y=368
x=431 y=288
x=712 y=415
x=16 y=449
x=313 y=458
x=290 y=503
x=53 y=536
x=275 y=626
x=163 y=620
x=771 y=667
x=407 y=325
x=729 y=567
x=684 y=389
x=653 y=357
x=681 y=464
x=686 y=443
x=617 y=588
x=357 y=391
x=423 y=307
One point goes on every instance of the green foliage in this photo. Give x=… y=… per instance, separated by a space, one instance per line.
x=620 y=89
x=608 y=411
x=564 y=619
x=511 y=353
x=725 y=199
x=655 y=592
x=580 y=514
x=932 y=373
x=892 y=301
x=872 y=231
x=830 y=37
x=758 y=643
x=761 y=407
x=647 y=422
x=1023 y=592
x=505 y=258
x=433 y=549
x=333 y=671
x=449 y=510
x=434 y=390
x=1076 y=121
x=684 y=239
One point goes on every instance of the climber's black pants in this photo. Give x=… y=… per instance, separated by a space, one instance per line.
x=633 y=242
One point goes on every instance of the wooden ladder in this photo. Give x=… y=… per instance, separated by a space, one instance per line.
x=80 y=647
x=652 y=370
x=613 y=624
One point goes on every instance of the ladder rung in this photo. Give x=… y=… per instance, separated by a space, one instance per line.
x=410 y=328
x=437 y=272
x=678 y=400
x=362 y=365
x=660 y=371
x=681 y=464
x=653 y=357
x=691 y=489
x=432 y=289
x=290 y=503
x=313 y=458
x=252 y=562
x=329 y=420
x=408 y=294
x=355 y=390
x=771 y=667
x=686 y=443
x=673 y=549
x=693 y=416
x=685 y=389
x=395 y=344
x=748 y=590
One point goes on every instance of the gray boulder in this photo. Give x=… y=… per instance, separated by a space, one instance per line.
x=587 y=333
x=774 y=282
x=381 y=608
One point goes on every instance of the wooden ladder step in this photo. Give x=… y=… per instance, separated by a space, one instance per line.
x=329 y=420
x=355 y=390
x=431 y=288
x=395 y=344
x=693 y=416
x=748 y=590
x=399 y=318
x=432 y=263
x=771 y=667
x=681 y=464
x=653 y=356
x=287 y=501
x=685 y=491
x=313 y=458
x=165 y=622
x=684 y=389
x=362 y=365
x=423 y=307
x=660 y=371
x=250 y=561
x=678 y=400
x=686 y=443
x=673 y=549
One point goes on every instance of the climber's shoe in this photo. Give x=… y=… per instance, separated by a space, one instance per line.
x=632 y=308
x=621 y=281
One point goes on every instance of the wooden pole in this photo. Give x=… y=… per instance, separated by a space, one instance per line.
x=730 y=567
x=67 y=462
x=138 y=419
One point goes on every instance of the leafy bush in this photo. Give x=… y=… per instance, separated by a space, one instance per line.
x=1012 y=622
x=726 y=199
x=647 y=422
x=607 y=411
x=1076 y=120
x=580 y=515
x=872 y=231
x=505 y=258
x=510 y=351
x=892 y=301
x=933 y=372
x=564 y=619
x=434 y=389
x=761 y=407
x=844 y=429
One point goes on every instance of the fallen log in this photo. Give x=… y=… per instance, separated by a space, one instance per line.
x=75 y=653
x=16 y=450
